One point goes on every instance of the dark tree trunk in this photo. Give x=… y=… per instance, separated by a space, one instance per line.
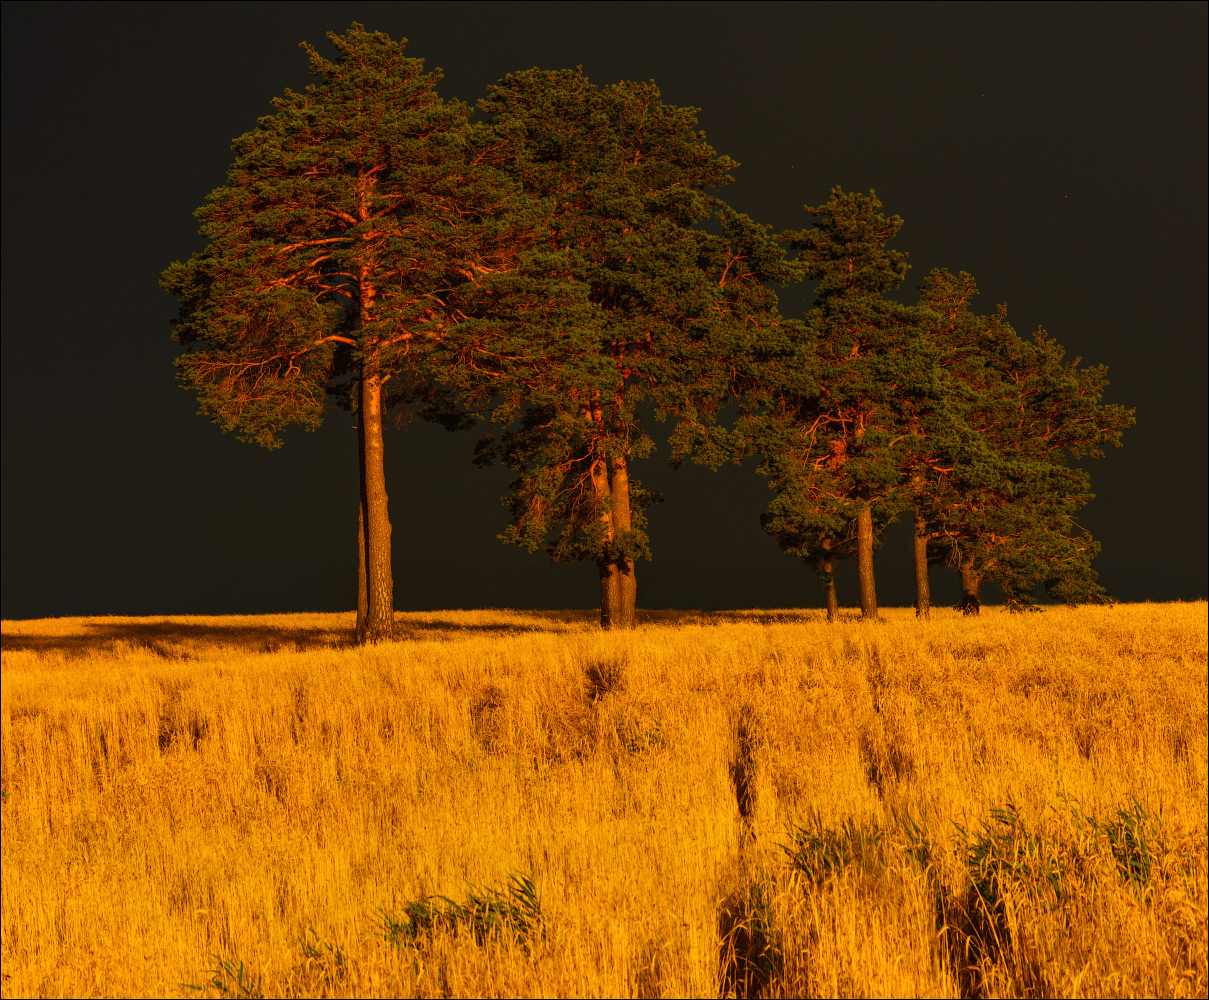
x=923 y=593
x=610 y=593
x=627 y=579
x=610 y=585
x=971 y=583
x=611 y=486
x=828 y=578
x=362 y=587
x=379 y=582
x=378 y=622
x=864 y=562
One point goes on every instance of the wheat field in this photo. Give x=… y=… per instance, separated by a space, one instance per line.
x=515 y=804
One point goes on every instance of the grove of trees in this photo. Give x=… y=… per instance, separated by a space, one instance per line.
x=564 y=267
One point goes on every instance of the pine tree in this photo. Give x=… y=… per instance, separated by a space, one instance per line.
x=624 y=303
x=350 y=222
x=1005 y=507
x=942 y=440
x=833 y=415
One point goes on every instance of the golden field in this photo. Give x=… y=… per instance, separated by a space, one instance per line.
x=746 y=803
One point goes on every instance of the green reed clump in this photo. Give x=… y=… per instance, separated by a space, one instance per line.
x=228 y=980
x=514 y=913
x=1005 y=864
x=818 y=850
x=1006 y=853
x=750 y=953
x=1130 y=834
x=322 y=962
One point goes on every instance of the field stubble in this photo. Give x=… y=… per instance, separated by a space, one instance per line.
x=514 y=803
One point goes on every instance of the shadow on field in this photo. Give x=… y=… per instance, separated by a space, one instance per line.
x=416 y=625
x=753 y=617
x=175 y=639
x=513 y=622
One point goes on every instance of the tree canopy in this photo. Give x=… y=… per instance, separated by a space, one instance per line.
x=1005 y=508
x=839 y=407
x=566 y=267
x=876 y=408
x=626 y=301
x=335 y=251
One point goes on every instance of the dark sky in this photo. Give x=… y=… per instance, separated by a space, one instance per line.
x=1057 y=152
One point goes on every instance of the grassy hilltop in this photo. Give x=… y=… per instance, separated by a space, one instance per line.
x=720 y=804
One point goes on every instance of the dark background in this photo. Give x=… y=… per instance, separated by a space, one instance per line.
x=1057 y=152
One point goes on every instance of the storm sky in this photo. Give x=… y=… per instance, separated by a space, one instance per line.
x=1057 y=152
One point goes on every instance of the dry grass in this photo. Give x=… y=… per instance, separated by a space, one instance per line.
x=729 y=804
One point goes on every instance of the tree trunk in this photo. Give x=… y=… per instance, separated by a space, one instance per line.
x=379 y=582
x=610 y=585
x=378 y=622
x=923 y=593
x=864 y=562
x=362 y=587
x=828 y=578
x=610 y=593
x=971 y=582
x=627 y=579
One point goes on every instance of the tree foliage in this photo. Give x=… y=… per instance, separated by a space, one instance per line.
x=875 y=409
x=1006 y=510
x=336 y=253
x=340 y=226
x=626 y=301
x=566 y=267
x=834 y=414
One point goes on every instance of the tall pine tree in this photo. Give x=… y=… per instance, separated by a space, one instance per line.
x=349 y=221
x=624 y=303
x=833 y=419
x=1004 y=508
x=941 y=439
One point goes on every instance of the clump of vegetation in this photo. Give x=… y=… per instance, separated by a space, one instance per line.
x=227 y=979
x=1129 y=835
x=605 y=676
x=513 y=914
x=1005 y=880
x=749 y=946
x=1003 y=860
x=322 y=966
x=818 y=850
x=323 y=963
x=745 y=763
x=1006 y=851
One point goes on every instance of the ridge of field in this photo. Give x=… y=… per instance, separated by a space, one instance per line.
x=718 y=804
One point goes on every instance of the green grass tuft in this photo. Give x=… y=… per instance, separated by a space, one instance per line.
x=227 y=980
x=514 y=914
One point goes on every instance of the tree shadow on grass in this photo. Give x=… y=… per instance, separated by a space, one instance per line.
x=788 y=616
x=187 y=639
x=490 y=621
x=176 y=640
